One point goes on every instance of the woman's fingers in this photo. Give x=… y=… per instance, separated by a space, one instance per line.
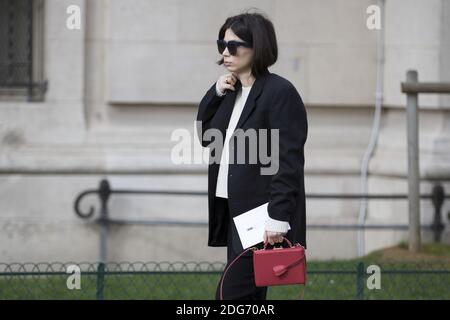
x=233 y=77
x=270 y=236
x=230 y=79
x=228 y=86
x=227 y=81
x=273 y=237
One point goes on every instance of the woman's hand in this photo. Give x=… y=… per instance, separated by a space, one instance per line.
x=273 y=237
x=227 y=81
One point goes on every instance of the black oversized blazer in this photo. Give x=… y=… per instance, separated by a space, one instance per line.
x=273 y=103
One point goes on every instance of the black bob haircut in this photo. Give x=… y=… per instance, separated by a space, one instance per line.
x=256 y=29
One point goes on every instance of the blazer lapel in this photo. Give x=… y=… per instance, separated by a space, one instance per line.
x=227 y=107
x=255 y=91
x=230 y=99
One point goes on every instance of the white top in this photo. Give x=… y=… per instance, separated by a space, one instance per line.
x=222 y=178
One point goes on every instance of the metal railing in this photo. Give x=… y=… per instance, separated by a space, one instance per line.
x=104 y=192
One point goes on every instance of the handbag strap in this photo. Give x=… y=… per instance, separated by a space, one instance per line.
x=228 y=267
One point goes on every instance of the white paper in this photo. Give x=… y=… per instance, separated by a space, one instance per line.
x=251 y=225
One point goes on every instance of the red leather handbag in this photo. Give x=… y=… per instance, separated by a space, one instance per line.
x=275 y=267
x=280 y=266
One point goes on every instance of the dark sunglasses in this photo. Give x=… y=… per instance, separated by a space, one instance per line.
x=231 y=45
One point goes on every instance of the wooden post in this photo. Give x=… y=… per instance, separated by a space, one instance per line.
x=413 y=164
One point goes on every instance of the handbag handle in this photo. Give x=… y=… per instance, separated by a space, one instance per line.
x=284 y=239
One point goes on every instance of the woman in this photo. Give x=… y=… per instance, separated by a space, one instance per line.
x=249 y=97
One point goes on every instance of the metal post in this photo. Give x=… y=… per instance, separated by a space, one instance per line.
x=438 y=200
x=360 y=276
x=104 y=193
x=413 y=164
x=100 y=281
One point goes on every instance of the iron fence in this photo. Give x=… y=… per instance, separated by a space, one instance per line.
x=104 y=192
x=198 y=280
x=349 y=279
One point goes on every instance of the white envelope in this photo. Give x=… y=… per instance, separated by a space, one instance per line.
x=251 y=225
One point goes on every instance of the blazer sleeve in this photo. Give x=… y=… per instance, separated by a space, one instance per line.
x=207 y=109
x=287 y=114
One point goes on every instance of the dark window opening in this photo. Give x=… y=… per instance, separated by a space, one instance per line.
x=17 y=44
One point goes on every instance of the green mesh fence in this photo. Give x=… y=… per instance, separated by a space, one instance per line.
x=192 y=280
